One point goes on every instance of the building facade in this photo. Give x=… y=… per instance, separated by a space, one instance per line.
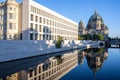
x=29 y=20
x=9 y=20
x=95 y=26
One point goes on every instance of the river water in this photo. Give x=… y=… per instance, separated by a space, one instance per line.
x=88 y=64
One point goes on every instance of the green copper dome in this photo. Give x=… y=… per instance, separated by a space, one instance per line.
x=95 y=17
x=81 y=24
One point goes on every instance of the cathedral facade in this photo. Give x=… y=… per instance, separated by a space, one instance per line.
x=95 y=26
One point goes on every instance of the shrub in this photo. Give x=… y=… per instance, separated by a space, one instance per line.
x=58 y=44
x=59 y=41
x=80 y=37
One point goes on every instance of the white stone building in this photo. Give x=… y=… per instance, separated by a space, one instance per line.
x=29 y=20
x=9 y=19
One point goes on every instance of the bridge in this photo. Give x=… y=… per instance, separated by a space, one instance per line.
x=114 y=43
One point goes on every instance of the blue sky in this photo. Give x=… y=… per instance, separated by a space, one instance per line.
x=82 y=10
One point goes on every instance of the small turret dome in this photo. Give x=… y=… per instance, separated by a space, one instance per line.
x=81 y=24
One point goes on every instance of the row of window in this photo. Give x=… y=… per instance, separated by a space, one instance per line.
x=42 y=36
x=11 y=8
x=51 y=23
x=33 y=73
x=35 y=18
x=11 y=36
x=51 y=16
x=48 y=36
x=40 y=69
x=46 y=29
x=36 y=27
x=12 y=16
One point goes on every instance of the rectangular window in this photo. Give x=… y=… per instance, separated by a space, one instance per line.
x=43 y=20
x=36 y=18
x=10 y=8
x=39 y=39
x=36 y=27
x=35 y=10
x=36 y=36
x=35 y=71
x=10 y=16
x=39 y=69
x=44 y=29
x=35 y=78
x=1 y=17
x=31 y=27
x=31 y=36
x=40 y=19
x=1 y=27
x=39 y=78
x=31 y=73
x=32 y=17
x=40 y=28
x=10 y=25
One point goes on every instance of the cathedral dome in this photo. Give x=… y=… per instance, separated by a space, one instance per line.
x=95 y=22
x=96 y=17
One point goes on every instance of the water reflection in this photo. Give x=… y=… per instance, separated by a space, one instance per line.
x=95 y=58
x=40 y=68
x=54 y=66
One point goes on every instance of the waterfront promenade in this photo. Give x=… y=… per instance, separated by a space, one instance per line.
x=13 y=50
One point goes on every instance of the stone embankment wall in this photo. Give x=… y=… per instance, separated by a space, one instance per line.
x=17 y=49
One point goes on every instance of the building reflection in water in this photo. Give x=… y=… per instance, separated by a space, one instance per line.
x=52 y=68
x=95 y=58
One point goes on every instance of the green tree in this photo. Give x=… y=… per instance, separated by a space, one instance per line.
x=87 y=37
x=98 y=37
x=59 y=41
x=60 y=38
x=80 y=37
